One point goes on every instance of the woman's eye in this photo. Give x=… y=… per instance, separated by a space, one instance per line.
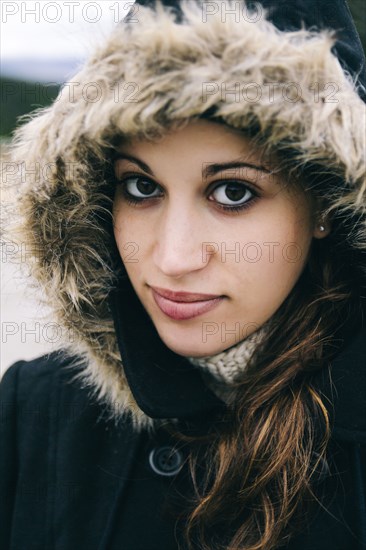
x=139 y=187
x=232 y=194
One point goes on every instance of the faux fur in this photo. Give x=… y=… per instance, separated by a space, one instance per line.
x=150 y=75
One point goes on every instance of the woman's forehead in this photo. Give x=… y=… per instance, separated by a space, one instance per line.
x=205 y=135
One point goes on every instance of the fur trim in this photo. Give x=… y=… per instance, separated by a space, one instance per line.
x=149 y=76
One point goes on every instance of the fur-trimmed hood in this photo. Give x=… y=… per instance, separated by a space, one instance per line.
x=155 y=72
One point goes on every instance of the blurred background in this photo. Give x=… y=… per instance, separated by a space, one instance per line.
x=42 y=46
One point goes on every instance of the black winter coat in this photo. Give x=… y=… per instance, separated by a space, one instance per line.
x=73 y=480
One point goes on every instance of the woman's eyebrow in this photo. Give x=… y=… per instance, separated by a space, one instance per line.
x=213 y=168
x=210 y=169
x=140 y=163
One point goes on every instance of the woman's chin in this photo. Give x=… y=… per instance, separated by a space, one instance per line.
x=189 y=348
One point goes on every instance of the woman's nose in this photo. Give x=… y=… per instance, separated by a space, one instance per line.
x=179 y=240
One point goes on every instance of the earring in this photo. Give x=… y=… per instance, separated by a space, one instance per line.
x=321 y=228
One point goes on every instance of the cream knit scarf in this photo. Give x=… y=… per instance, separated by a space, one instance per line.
x=220 y=371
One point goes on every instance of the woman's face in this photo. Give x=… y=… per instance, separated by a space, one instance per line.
x=184 y=236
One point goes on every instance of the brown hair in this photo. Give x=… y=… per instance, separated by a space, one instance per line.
x=264 y=458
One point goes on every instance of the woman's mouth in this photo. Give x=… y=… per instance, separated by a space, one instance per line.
x=181 y=310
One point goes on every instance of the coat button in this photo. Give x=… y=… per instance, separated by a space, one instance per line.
x=166 y=461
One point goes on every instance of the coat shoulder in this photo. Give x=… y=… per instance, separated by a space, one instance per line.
x=33 y=379
x=46 y=388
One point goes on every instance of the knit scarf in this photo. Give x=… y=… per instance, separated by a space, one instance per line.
x=222 y=370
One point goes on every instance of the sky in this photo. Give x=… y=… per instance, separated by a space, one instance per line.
x=46 y=38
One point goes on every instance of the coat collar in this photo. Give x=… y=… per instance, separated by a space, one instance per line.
x=166 y=385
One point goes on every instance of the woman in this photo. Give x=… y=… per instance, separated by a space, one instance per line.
x=197 y=208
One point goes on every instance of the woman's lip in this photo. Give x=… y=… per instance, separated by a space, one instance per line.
x=185 y=310
x=183 y=296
